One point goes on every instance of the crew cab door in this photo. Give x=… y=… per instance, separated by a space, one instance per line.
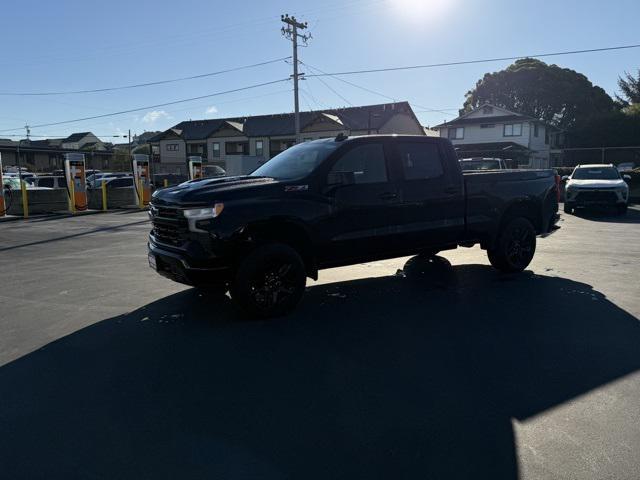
x=365 y=200
x=432 y=193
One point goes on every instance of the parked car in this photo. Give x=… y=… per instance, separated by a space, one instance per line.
x=336 y=202
x=214 y=171
x=469 y=164
x=91 y=179
x=48 y=181
x=115 y=182
x=25 y=175
x=13 y=183
x=596 y=185
x=158 y=179
x=626 y=167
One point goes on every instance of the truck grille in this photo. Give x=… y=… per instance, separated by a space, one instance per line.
x=169 y=226
x=596 y=196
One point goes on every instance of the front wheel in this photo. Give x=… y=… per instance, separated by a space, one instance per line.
x=568 y=208
x=622 y=209
x=515 y=246
x=270 y=281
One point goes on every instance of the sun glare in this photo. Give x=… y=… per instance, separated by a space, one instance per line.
x=422 y=10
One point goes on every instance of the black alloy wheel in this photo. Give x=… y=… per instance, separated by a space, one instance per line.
x=270 y=281
x=515 y=246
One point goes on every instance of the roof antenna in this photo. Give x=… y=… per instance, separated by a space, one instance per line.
x=341 y=137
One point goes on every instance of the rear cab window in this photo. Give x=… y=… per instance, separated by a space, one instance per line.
x=420 y=160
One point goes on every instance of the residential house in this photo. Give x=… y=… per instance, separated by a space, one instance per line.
x=82 y=141
x=48 y=154
x=491 y=131
x=136 y=141
x=227 y=142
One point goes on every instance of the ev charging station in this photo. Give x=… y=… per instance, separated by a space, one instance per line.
x=142 y=179
x=195 y=168
x=74 y=170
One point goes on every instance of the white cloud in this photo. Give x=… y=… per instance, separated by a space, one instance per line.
x=211 y=109
x=155 y=115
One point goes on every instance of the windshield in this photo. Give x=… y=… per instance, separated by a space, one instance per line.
x=297 y=161
x=480 y=165
x=603 y=173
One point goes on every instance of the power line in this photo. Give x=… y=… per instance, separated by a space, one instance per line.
x=175 y=102
x=147 y=84
x=426 y=109
x=468 y=62
x=328 y=86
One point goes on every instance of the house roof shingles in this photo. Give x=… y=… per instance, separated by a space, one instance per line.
x=74 y=137
x=352 y=118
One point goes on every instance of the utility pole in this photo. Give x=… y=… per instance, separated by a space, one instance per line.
x=130 y=160
x=291 y=33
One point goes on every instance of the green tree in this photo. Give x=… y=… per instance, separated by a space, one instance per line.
x=630 y=88
x=559 y=96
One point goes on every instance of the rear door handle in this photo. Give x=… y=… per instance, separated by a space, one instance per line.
x=388 y=196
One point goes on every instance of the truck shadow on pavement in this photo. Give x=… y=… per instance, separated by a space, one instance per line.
x=415 y=375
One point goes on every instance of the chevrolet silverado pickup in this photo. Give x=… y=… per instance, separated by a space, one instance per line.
x=340 y=201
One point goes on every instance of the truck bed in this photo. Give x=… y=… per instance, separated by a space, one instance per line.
x=490 y=193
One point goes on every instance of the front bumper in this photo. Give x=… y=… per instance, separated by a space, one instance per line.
x=583 y=197
x=181 y=268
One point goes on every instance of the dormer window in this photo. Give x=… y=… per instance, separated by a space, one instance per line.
x=487 y=110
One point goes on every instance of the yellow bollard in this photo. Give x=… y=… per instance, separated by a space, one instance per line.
x=166 y=182
x=103 y=187
x=25 y=199
x=72 y=196
x=140 y=194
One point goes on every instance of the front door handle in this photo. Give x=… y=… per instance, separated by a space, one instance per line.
x=388 y=196
x=451 y=190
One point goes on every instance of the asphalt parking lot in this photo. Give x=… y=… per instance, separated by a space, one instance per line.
x=392 y=369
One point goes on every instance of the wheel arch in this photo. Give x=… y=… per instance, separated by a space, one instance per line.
x=284 y=230
x=529 y=208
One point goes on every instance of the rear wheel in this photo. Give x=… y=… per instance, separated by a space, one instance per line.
x=568 y=208
x=515 y=246
x=270 y=281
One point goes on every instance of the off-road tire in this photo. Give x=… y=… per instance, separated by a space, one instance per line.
x=270 y=281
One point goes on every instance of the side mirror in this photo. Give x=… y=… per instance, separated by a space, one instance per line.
x=565 y=178
x=626 y=177
x=335 y=179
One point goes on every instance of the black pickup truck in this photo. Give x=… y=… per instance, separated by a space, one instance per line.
x=334 y=202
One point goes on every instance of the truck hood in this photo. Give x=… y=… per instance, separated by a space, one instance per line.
x=208 y=190
x=596 y=183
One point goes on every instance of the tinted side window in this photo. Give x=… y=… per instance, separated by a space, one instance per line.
x=367 y=162
x=420 y=161
x=46 y=182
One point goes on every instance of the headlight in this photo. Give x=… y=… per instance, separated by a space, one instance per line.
x=204 y=213
x=194 y=215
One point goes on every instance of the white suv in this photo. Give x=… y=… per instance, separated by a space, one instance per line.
x=596 y=185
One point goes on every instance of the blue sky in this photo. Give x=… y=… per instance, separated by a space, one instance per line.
x=81 y=44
